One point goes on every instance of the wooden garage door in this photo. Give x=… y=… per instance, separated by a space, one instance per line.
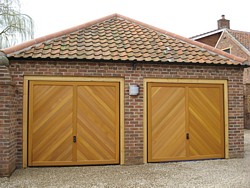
x=73 y=123
x=185 y=121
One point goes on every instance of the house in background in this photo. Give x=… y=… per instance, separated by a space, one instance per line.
x=118 y=91
x=233 y=42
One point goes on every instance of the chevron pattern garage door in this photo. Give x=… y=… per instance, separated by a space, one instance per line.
x=166 y=132
x=51 y=118
x=73 y=123
x=185 y=122
x=206 y=122
x=97 y=105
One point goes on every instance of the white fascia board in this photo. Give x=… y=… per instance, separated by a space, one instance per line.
x=208 y=34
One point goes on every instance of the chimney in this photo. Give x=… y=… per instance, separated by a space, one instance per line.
x=223 y=23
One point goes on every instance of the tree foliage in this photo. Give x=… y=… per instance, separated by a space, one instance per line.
x=15 y=27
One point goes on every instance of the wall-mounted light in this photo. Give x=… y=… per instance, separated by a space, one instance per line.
x=133 y=90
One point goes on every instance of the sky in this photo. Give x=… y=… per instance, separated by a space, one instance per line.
x=183 y=17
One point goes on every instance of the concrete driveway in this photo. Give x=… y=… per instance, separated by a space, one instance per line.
x=233 y=173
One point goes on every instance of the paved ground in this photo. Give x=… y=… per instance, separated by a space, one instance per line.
x=233 y=173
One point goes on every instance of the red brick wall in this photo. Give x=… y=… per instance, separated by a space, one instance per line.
x=134 y=104
x=7 y=123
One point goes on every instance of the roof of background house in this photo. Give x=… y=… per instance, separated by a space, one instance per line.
x=242 y=37
x=116 y=37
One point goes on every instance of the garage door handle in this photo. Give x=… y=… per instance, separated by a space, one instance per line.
x=187 y=136
x=74 y=139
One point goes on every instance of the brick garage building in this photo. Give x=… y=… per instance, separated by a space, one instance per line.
x=71 y=98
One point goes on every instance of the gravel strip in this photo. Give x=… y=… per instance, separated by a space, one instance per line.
x=233 y=173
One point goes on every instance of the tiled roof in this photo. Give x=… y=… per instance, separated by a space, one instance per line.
x=241 y=36
x=117 y=37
